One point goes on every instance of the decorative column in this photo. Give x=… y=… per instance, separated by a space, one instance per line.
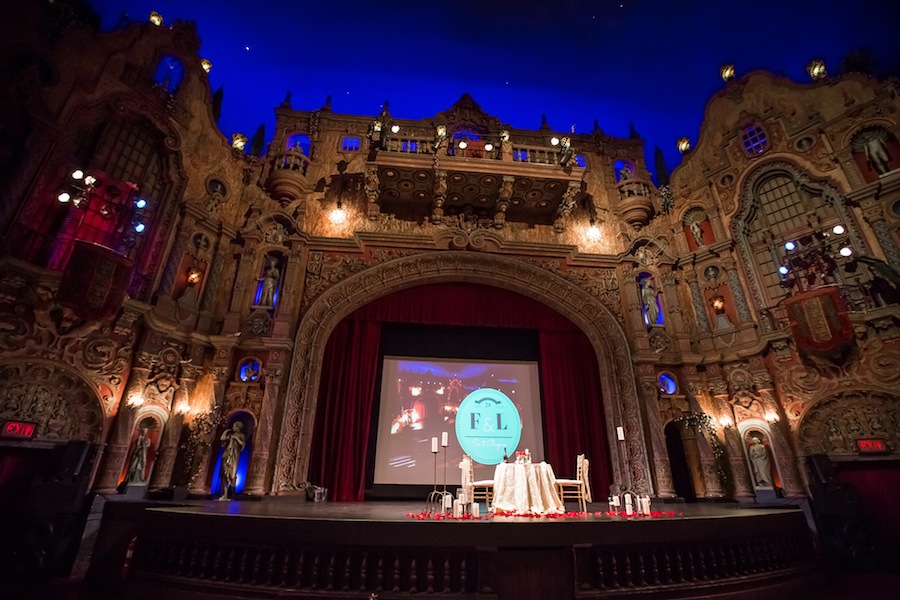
x=168 y=445
x=256 y=474
x=692 y=455
x=673 y=319
x=662 y=469
x=205 y=430
x=697 y=301
x=737 y=290
x=787 y=462
x=740 y=475
x=874 y=216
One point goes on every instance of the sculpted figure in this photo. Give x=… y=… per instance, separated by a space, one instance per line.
x=138 y=463
x=648 y=296
x=233 y=442
x=759 y=459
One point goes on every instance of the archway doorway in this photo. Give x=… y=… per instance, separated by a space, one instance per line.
x=681 y=474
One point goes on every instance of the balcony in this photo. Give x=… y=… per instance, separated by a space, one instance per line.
x=635 y=201
x=288 y=176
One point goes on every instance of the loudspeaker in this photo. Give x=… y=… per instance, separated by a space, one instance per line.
x=820 y=468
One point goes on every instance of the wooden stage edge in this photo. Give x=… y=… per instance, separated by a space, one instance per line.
x=288 y=548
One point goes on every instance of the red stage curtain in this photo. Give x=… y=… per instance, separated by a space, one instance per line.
x=573 y=406
x=344 y=413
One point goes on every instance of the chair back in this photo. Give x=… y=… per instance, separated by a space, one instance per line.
x=584 y=476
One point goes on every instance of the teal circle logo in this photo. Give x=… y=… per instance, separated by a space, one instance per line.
x=488 y=426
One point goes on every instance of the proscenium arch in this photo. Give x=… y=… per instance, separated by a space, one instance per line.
x=617 y=376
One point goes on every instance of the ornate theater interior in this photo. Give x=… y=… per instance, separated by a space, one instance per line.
x=237 y=368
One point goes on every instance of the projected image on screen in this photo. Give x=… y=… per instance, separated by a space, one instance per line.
x=422 y=399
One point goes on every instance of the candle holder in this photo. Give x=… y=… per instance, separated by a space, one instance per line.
x=436 y=502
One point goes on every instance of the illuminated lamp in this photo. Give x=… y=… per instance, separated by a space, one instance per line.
x=838 y=229
x=206 y=64
x=718 y=304
x=64 y=197
x=488 y=147
x=89 y=180
x=783 y=270
x=194 y=276
x=337 y=215
x=463 y=145
x=816 y=69
x=77 y=174
x=554 y=141
x=156 y=18
x=771 y=417
x=140 y=203
x=136 y=401
x=683 y=145
x=395 y=128
x=182 y=408
x=139 y=227
x=442 y=130
x=846 y=251
x=790 y=246
x=593 y=232
x=727 y=72
x=238 y=141
x=726 y=422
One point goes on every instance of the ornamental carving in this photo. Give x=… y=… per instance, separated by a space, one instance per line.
x=834 y=425
x=323 y=271
x=61 y=404
x=574 y=303
x=602 y=284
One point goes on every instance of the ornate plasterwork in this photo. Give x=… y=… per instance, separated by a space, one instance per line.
x=598 y=323
x=834 y=424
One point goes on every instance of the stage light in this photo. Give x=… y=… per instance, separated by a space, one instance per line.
x=139 y=227
x=64 y=197
x=846 y=251
x=783 y=270
x=140 y=203
x=77 y=174
x=790 y=246
x=816 y=69
x=683 y=145
x=238 y=141
x=488 y=147
x=89 y=180
x=395 y=128
x=838 y=229
x=554 y=141
x=463 y=145
x=156 y=18
x=727 y=72
x=206 y=64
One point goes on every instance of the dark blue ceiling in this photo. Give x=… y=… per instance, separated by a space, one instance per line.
x=654 y=63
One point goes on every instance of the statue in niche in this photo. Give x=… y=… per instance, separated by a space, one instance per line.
x=648 y=297
x=759 y=460
x=874 y=144
x=270 y=284
x=625 y=173
x=697 y=231
x=137 y=466
x=233 y=443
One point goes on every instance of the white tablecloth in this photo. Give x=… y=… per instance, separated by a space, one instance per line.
x=526 y=488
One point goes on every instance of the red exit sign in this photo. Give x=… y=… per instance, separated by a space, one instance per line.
x=872 y=446
x=18 y=429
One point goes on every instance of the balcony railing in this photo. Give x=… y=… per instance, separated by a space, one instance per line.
x=475 y=149
x=288 y=178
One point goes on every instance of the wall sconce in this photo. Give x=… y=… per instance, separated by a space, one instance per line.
x=337 y=215
x=771 y=417
x=593 y=232
x=683 y=145
x=238 y=141
x=136 y=401
x=182 y=408
x=718 y=304
x=727 y=72
x=206 y=64
x=816 y=69
x=194 y=276
x=156 y=18
x=726 y=422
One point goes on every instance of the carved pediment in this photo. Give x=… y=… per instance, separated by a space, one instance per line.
x=466 y=114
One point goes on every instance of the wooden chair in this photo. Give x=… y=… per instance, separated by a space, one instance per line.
x=475 y=490
x=578 y=488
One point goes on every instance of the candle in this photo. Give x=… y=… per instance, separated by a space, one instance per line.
x=615 y=501
x=612 y=504
x=457 y=508
x=448 y=502
x=629 y=510
x=620 y=433
x=444 y=440
x=434 y=446
x=476 y=510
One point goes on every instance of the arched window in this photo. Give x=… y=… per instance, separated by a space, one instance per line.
x=169 y=73
x=624 y=169
x=299 y=141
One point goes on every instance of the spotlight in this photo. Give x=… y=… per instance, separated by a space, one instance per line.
x=846 y=251
x=395 y=128
x=727 y=72
x=140 y=203
x=77 y=174
x=139 y=227
x=156 y=18
x=488 y=147
x=463 y=145
x=838 y=229
x=554 y=141
x=783 y=270
x=790 y=246
x=64 y=197
x=89 y=180
x=206 y=64
x=683 y=145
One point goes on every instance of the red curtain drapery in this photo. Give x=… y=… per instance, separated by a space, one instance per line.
x=570 y=386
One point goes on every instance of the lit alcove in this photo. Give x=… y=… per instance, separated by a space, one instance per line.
x=169 y=73
x=247 y=429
